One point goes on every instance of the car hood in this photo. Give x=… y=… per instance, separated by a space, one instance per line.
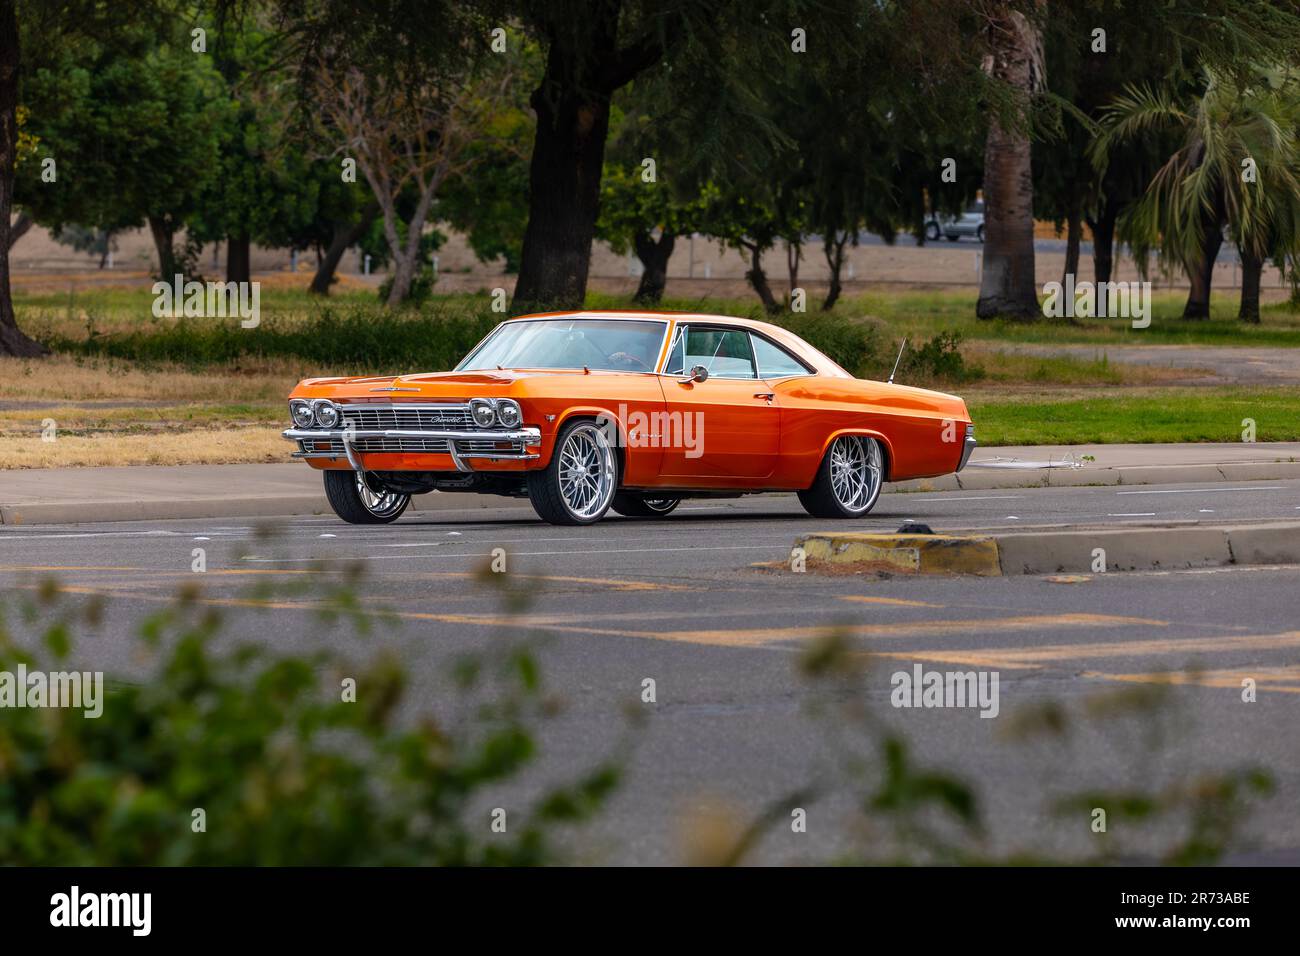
x=444 y=386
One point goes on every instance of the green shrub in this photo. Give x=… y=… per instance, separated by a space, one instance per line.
x=361 y=339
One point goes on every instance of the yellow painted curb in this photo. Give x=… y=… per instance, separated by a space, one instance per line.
x=905 y=553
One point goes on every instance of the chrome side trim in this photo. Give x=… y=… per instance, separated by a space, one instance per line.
x=966 y=450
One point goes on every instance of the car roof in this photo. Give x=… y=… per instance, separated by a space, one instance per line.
x=824 y=364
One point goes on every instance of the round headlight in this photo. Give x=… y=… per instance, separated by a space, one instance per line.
x=483 y=412
x=302 y=414
x=509 y=414
x=327 y=414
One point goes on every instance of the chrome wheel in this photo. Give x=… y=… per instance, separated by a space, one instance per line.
x=587 y=472
x=661 y=506
x=381 y=504
x=857 y=468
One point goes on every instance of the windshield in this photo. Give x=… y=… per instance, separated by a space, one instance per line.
x=611 y=344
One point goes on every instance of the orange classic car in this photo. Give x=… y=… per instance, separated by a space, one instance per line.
x=581 y=412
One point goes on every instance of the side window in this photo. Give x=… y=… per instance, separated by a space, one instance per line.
x=774 y=361
x=676 y=354
x=726 y=353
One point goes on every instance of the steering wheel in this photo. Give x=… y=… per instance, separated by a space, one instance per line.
x=628 y=358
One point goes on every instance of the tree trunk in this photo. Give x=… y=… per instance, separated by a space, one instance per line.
x=12 y=340
x=1073 y=230
x=758 y=279
x=406 y=256
x=793 y=253
x=834 y=249
x=1007 y=286
x=19 y=228
x=1200 y=274
x=654 y=258
x=238 y=258
x=345 y=236
x=572 y=107
x=163 y=232
x=1252 y=267
x=1103 y=241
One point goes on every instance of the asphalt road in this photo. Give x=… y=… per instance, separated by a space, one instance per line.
x=703 y=604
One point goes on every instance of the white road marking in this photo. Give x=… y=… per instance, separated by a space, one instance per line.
x=517 y=554
x=96 y=534
x=973 y=498
x=1204 y=491
x=1134 y=514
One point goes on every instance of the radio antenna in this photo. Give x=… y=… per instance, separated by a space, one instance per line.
x=897 y=360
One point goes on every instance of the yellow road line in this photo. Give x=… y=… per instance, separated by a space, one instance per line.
x=892 y=602
x=750 y=637
x=1284 y=679
x=1036 y=657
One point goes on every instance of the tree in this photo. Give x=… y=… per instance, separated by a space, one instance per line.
x=1007 y=285
x=415 y=133
x=263 y=189
x=1238 y=167
x=12 y=340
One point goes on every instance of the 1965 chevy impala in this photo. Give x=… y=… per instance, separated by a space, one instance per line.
x=586 y=411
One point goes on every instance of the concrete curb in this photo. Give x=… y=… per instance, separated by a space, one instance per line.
x=905 y=553
x=1142 y=548
x=989 y=479
x=252 y=506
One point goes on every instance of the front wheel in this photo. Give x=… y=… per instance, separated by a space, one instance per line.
x=354 y=500
x=578 y=485
x=643 y=506
x=848 y=481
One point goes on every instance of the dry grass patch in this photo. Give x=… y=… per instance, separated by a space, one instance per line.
x=204 y=447
x=64 y=379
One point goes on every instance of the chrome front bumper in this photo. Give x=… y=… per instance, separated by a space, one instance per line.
x=460 y=444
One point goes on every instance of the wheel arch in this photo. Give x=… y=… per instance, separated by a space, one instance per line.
x=886 y=448
x=592 y=413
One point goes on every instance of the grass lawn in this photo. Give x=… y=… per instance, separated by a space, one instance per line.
x=1138 y=415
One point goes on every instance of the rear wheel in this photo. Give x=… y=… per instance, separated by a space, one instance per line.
x=643 y=506
x=849 y=480
x=578 y=486
x=358 y=499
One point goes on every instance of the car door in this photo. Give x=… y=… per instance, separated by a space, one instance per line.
x=729 y=424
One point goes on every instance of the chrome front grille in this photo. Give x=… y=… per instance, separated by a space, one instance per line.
x=489 y=447
x=414 y=417
x=436 y=446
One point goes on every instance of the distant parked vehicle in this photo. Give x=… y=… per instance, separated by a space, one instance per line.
x=969 y=223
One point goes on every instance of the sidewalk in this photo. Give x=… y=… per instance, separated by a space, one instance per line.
x=69 y=495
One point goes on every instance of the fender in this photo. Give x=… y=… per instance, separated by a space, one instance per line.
x=640 y=462
x=866 y=433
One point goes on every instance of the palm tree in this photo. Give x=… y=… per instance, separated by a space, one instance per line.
x=1237 y=168
x=1007 y=285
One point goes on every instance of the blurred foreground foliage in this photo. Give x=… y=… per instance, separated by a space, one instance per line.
x=285 y=771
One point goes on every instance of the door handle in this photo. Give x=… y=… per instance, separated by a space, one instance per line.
x=768 y=395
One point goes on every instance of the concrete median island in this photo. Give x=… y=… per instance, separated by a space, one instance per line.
x=1165 y=547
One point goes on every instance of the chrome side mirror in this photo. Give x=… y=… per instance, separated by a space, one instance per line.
x=698 y=374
